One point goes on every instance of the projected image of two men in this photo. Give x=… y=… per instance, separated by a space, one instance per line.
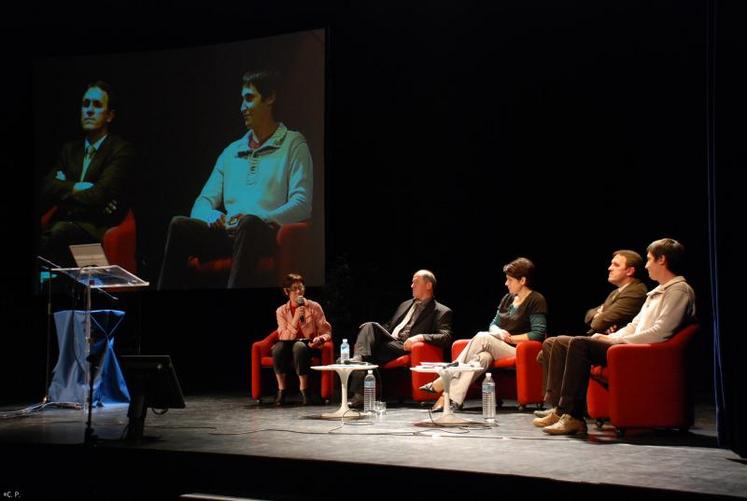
x=193 y=168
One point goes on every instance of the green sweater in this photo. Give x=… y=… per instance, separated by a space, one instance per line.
x=530 y=317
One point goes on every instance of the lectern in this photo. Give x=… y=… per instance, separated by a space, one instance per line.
x=102 y=278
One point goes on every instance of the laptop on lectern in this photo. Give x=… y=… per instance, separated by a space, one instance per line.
x=89 y=255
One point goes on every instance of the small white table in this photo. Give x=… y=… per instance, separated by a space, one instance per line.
x=343 y=370
x=447 y=418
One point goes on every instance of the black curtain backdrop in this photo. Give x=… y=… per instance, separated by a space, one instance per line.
x=726 y=163
x=457 y=139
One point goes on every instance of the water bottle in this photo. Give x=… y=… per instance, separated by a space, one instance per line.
x=488 y=399
x=344 y=351
x=369 y=393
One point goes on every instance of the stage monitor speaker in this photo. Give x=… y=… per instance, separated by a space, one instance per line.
x=151 y=381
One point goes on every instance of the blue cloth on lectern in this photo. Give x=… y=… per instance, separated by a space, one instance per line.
x=69 y=379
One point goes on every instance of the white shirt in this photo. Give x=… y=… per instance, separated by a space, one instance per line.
x=667 y=307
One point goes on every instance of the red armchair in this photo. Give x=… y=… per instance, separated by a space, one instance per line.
x=291 y=255
x=262 y=359
x=119 y=242
x=520 y=377
x=643 y=385
x=399 y=382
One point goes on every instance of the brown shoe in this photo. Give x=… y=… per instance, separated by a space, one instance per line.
x=567 y=425
x=544 y=412
x=550 y=419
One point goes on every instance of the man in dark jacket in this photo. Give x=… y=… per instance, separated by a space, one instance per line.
x=421 y=318
x=87 y=187
x=621 y=305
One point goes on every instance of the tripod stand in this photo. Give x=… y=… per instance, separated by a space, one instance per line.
x=63 y=399
x=48 y=266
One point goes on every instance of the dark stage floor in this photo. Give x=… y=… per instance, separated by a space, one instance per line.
x=230 y=446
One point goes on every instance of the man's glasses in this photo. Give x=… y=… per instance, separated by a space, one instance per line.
x=297 y=288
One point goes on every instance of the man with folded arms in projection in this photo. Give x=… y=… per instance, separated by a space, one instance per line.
x=88 y=182
x=259 y=182
x=621 y=305
x=421 y=318
x=668 y=307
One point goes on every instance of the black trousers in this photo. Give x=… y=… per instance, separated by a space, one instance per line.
x=55 y=241
x=292 y=354
x=569 y=360
x=374 y=344
x=252 y=240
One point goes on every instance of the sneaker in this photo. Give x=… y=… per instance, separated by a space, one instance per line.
x=544 y=412
x=550 y=419
x=567 y=425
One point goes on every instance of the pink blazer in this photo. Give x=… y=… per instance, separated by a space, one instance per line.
x=315 y=323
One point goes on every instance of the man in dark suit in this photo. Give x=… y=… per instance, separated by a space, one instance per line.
x=421 y=318
x=87 y=185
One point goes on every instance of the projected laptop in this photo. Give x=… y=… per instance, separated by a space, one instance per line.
x=89 y=255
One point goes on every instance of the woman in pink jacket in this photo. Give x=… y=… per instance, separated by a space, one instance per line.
x=302 y=330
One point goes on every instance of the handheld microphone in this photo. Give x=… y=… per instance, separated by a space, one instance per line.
x=301 y=301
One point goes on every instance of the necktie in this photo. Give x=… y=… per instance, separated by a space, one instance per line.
x=403 y=329
x=90 y=152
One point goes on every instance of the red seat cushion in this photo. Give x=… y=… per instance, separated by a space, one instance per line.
x=403 y=361
x=505 y=363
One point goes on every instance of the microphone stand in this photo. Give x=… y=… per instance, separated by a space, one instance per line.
x=90 y=438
